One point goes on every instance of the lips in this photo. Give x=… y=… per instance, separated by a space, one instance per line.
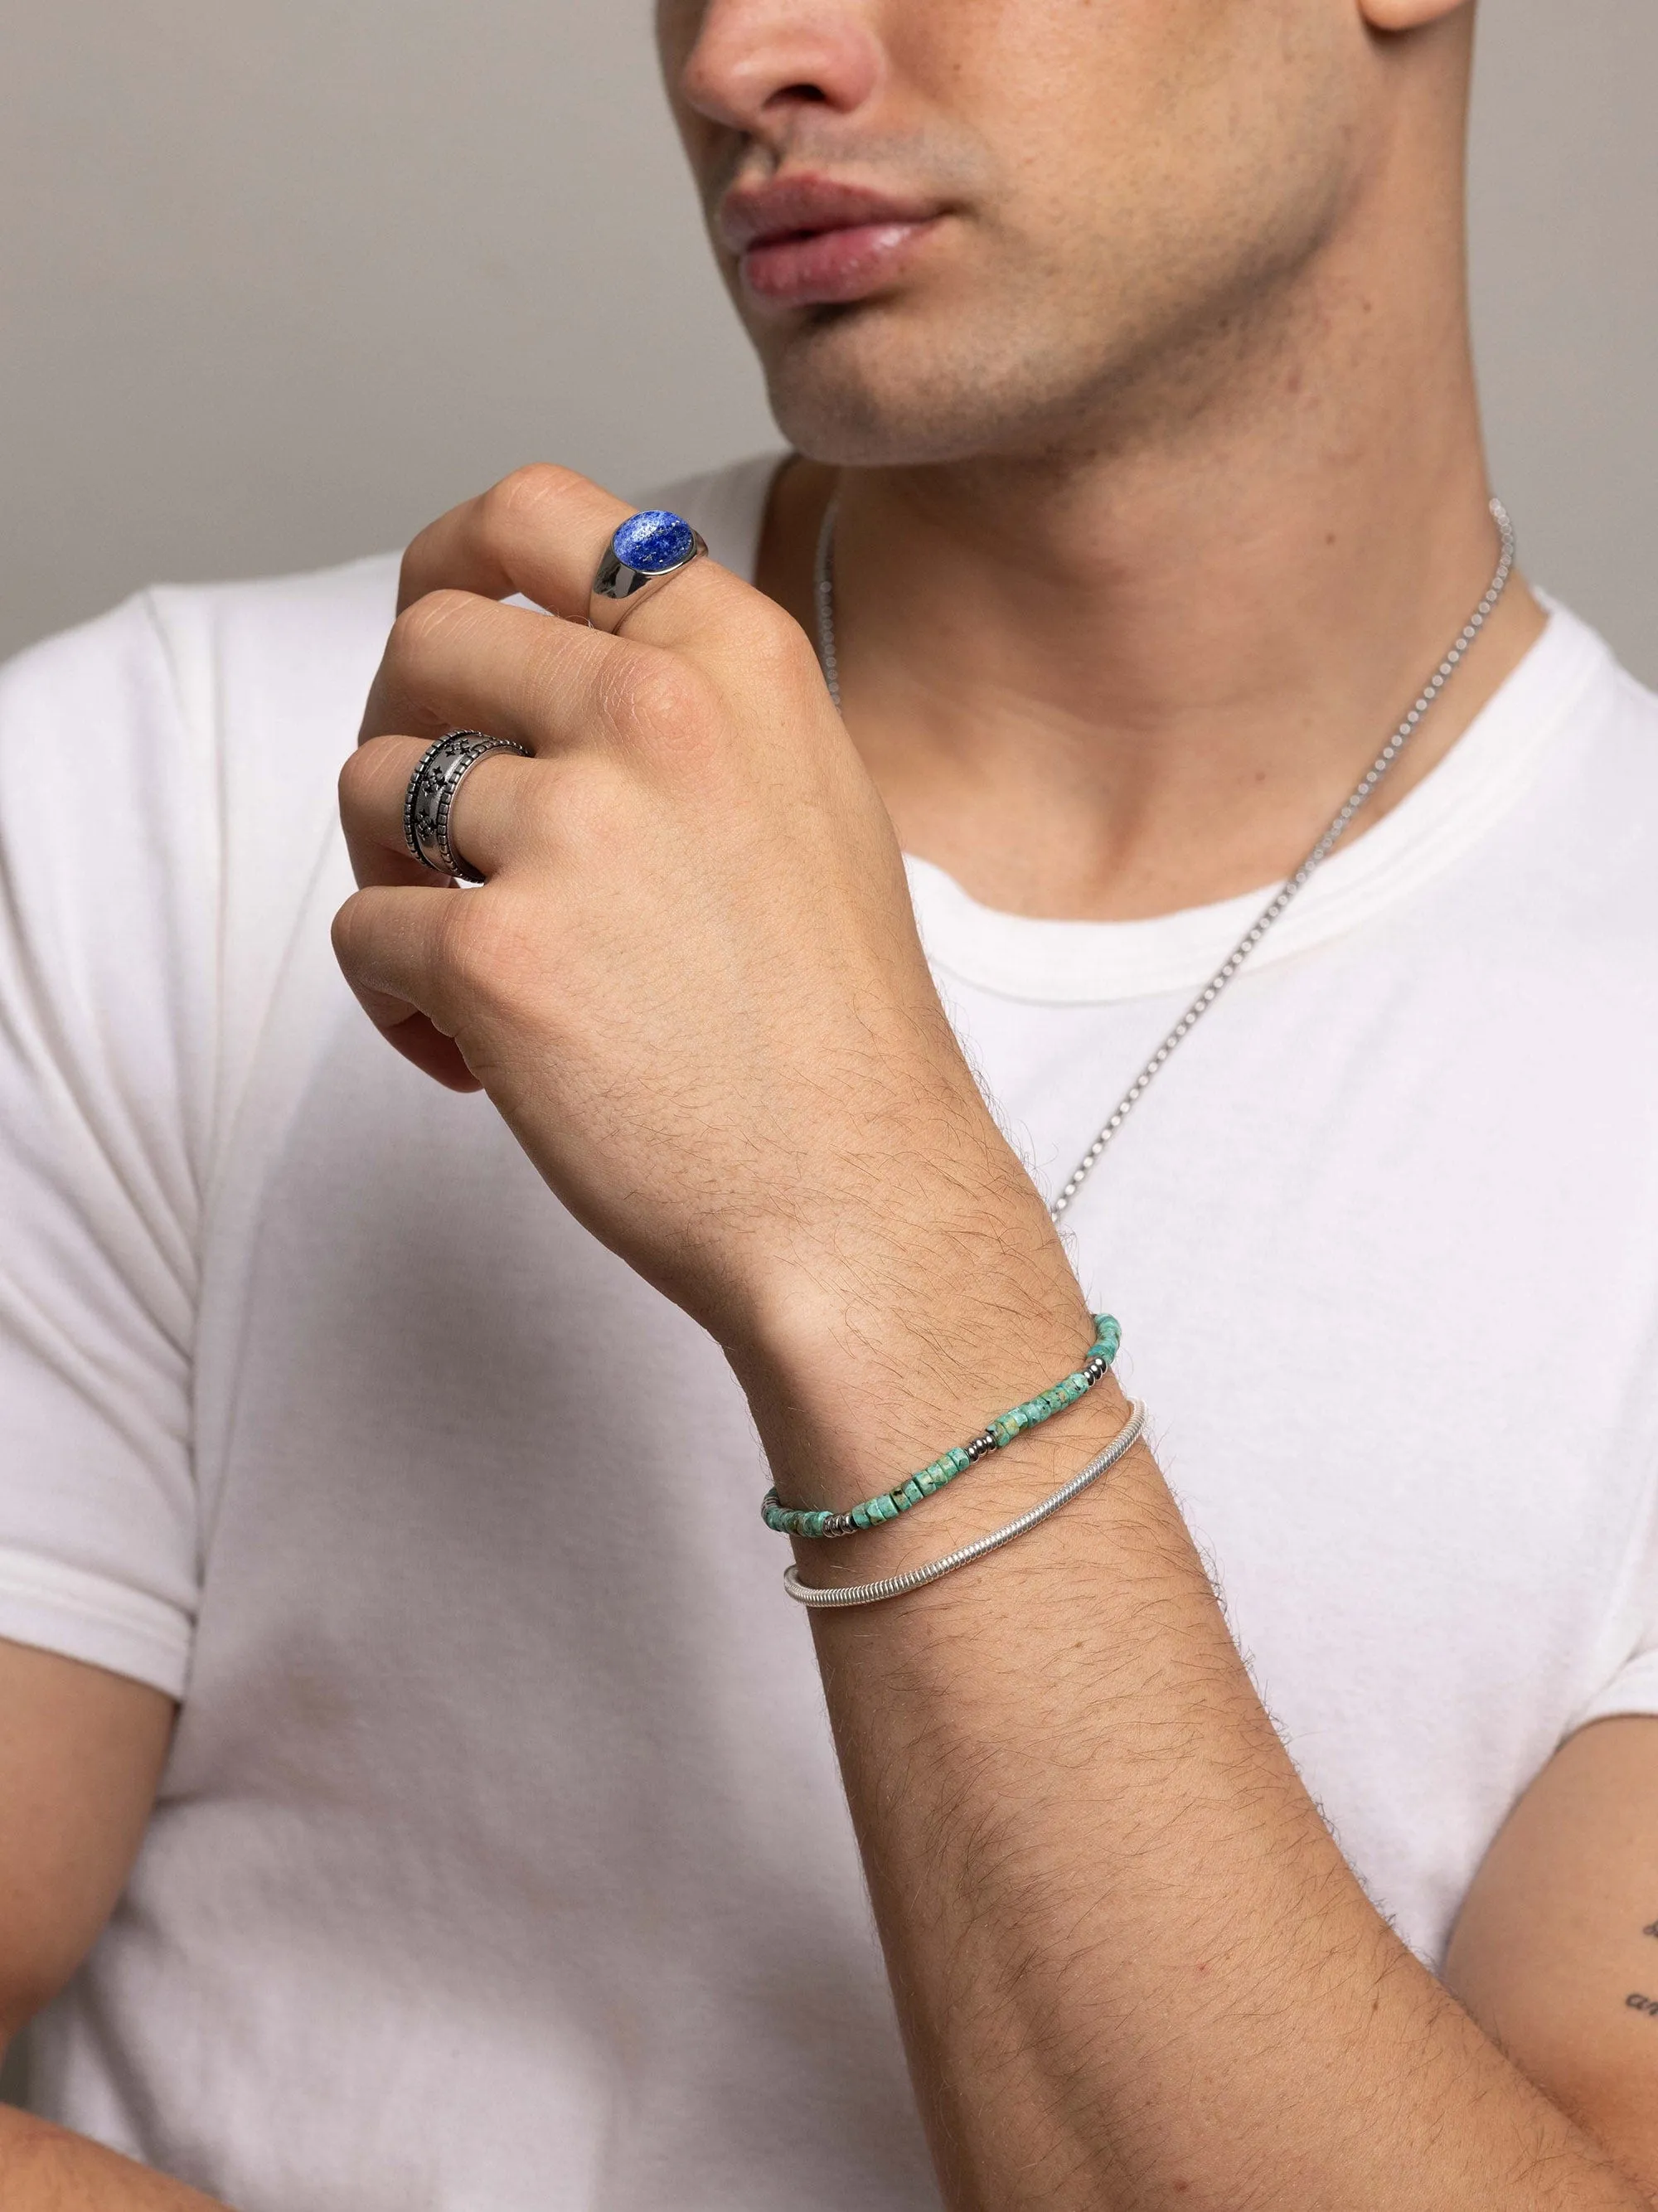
x=805 y=241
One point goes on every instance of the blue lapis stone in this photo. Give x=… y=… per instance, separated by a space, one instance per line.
x=654 y=541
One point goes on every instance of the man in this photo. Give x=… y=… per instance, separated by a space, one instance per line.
x=496 y=1852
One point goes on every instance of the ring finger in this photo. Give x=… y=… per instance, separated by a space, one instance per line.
x=491 y=802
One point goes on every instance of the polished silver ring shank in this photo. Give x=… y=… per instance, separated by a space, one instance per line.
x=618 y=589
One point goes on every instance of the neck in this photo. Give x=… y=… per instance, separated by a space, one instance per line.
x=1142 y=670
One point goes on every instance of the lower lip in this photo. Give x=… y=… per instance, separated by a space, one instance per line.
x=826 y=267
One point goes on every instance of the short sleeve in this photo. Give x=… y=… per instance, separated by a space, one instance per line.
x=108 y=988
x=1632 y=1689
x=1628 y=1666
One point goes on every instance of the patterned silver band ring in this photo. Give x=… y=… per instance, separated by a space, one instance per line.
x=430 y=797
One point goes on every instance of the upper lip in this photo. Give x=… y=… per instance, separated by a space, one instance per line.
x=788 y=207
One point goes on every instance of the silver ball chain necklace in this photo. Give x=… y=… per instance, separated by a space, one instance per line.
x=823 y=597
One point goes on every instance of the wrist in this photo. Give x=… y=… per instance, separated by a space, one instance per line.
x=912 y=1343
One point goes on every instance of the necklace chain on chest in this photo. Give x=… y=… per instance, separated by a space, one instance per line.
x=823 y=598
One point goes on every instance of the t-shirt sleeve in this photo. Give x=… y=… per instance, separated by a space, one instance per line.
x=1628 y=1667
x=108 y=984
x=1632 y=1689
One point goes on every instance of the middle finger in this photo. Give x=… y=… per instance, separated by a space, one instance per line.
x=454 y=660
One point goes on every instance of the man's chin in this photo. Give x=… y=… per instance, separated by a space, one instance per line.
x=907 y=383
x=852 y=394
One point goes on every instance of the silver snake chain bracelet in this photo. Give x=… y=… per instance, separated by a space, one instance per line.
x=914 y=1579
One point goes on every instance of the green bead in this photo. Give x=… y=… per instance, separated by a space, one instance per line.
x=791 y=1521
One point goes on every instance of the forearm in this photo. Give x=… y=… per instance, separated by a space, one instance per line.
x=1132 y=1967
x=45 y=2169
x=1130 y=1964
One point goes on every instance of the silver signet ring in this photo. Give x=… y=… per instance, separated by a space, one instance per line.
x=647 y=551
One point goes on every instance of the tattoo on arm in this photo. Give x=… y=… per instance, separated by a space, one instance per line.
x=1635 y=2001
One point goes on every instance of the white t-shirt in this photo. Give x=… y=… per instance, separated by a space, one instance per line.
x=500 y=1861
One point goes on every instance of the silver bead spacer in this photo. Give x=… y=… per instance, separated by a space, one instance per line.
x=980 y=1446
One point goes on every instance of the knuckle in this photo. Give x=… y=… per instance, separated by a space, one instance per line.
x=654 y=698
x=354 y=780
x=410 y=568
x=775 y=648
x=420 y=630
x=363 y=775
x=764 y=653
x=346 y=934
x=524 y=498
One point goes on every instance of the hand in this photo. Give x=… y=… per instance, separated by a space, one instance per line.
x=692 y=982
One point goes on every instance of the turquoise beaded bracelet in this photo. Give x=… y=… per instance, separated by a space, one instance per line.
x=793 y=1521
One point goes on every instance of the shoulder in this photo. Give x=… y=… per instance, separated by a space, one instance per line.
x=301 y=639
x=272 y=675
x=179 y=757
x=169 y=776
x=252 y=692
x=288 y=659
x=304 y=630
x=1556 y=926
x=1598 y=794
x=203 y=683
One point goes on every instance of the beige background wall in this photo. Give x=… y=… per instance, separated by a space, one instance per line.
x=279 y=281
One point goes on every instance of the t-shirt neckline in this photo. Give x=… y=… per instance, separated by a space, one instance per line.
x=1490 y=768
x=1485 y=773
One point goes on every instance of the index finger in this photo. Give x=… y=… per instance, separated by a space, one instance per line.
x=542 y=531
